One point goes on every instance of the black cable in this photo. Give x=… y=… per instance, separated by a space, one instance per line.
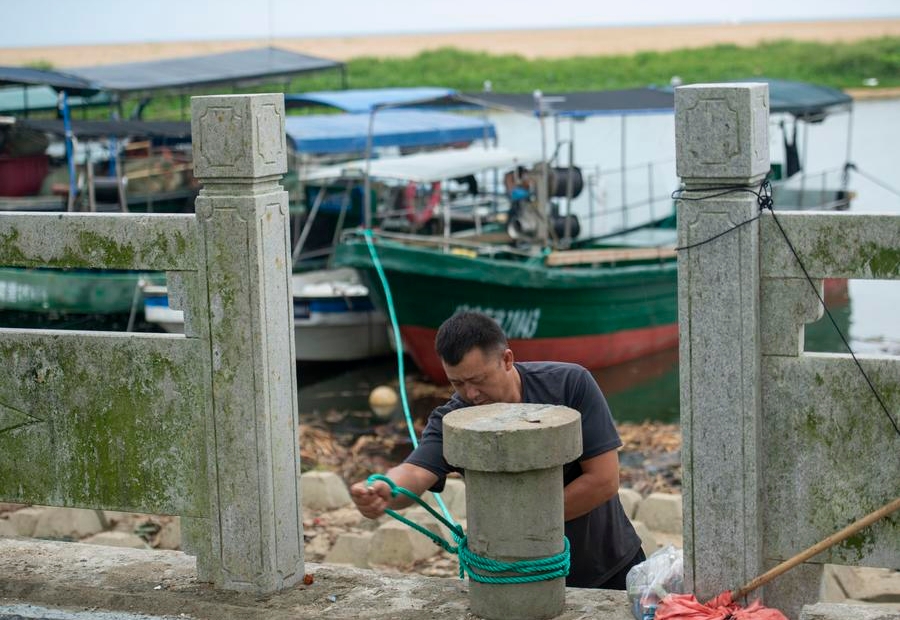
x=721 y=234
x=763 y=196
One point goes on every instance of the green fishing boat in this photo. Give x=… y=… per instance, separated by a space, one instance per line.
x=597 y=305
x=71 y=291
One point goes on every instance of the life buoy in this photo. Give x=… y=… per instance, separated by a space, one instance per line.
x=434 y=199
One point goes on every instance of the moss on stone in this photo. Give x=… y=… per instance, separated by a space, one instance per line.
x=883 y=262
x=127 y=440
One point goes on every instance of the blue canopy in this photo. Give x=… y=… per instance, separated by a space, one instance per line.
x=366 y=99
x=347 y=133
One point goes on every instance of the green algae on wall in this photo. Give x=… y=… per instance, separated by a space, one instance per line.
x=99 y=437
x=830 y=456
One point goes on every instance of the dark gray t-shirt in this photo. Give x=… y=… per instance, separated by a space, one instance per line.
x=602 y=541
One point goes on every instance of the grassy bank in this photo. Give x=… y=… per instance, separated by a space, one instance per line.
x=842 y=65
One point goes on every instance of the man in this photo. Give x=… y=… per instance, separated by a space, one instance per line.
x=480 y=366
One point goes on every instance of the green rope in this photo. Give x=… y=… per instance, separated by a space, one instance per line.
x=472 y=564
x=398 y=345
x=527 y=571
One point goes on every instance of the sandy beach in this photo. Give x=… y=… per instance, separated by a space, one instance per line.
x=556 y=43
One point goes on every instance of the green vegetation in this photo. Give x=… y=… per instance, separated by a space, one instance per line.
x=43 y=65
x=841 y=65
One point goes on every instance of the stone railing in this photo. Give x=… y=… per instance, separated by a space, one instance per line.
x=781 y=447
x=202 y=425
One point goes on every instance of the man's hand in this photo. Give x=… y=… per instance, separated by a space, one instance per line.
x=371 y=501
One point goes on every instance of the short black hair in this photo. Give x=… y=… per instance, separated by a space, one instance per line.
x=465 y=331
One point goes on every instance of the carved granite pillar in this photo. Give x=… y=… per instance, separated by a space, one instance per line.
x=721 y=141
x=253 y=454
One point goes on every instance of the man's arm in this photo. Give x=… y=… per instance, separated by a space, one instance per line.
x=597 y=484
x=372 y=501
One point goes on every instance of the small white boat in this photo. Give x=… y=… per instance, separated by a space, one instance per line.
x=334 y=319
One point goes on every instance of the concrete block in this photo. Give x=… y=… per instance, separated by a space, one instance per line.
x=324 y=490
x=116 y=539
x=863 y=583
x=662 y=512
x=722 y=131
x=664 y=538
x=630 y=499
x=838 y=611
x=427 y=520
x=169 y=537
x=238 y=136
x=422 y=517
x=24 y=521
x=830 y=590
x=350 y=548
x=67 y=522
x=454 y=497
x=114 y=517
x=318 y=546
x=396 y=544
x=648 y=540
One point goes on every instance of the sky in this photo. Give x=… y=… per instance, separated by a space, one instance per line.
x=25 y=23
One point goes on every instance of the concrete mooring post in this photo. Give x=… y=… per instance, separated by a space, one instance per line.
x=513 y=456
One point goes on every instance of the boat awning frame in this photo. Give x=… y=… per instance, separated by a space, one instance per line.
x=426 y=167
x=112 y=128
x=244 y=68
x=368 y=99
x=801 y=99
x=349 y=133
x=27 y=76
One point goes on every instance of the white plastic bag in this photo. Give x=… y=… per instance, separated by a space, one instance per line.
x=648 y=582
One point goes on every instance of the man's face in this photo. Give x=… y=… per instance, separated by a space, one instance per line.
x=482 y=378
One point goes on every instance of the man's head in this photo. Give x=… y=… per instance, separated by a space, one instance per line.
x=477 y=359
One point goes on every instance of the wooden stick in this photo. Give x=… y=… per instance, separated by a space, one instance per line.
x=817 y=548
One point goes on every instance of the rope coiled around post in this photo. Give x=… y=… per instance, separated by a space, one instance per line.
x=477 y=567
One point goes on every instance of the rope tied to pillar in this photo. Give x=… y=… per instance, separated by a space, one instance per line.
x=477 y=567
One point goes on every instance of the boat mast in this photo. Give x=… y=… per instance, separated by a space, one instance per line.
x=70 y=148
x=367 y=203
x=544 y=181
